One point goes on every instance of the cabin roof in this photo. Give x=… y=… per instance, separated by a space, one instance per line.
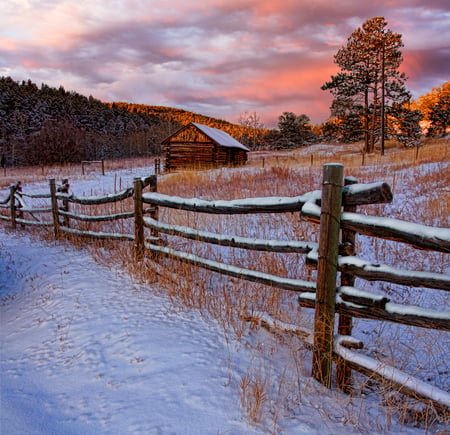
x=220 y=137
x=216 y=135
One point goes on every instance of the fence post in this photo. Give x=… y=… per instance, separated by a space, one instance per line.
x=330 y=217
x=157 y=166
x=55 y=213
x=343 y=371
x=12 y=204
x=138 y=219
x=153 y=187
x=64 y=188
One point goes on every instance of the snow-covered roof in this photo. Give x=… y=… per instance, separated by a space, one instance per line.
x=219 y=136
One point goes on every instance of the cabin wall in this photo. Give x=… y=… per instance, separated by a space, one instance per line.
x=202 y=155
x=186 y=155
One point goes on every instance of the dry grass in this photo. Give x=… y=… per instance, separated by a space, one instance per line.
x=270 y=388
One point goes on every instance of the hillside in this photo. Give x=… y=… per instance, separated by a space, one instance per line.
x=51 y=125
x=180 y=116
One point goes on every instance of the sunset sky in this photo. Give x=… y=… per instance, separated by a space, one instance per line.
x=215 y=57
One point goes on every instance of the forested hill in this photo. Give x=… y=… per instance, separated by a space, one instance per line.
x=51 y=125
x=180 y=116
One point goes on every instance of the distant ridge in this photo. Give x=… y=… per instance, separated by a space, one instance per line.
x=180 y=116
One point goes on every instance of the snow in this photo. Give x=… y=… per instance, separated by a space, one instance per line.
x=251 y=275
x=419 y=230
x=233 y=206
x=275 y=245
x=86 y=349
x=392 y=374
x=221 y=137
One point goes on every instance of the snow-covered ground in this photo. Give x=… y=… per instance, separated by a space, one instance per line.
x=86 y=349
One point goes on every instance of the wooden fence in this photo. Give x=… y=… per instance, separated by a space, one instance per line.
x=91 y=162
x=334 y=208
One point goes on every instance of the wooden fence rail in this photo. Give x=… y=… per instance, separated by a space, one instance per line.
x=334 y=208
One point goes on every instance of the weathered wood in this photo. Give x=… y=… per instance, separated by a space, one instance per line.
x=263 y=205
x=88 y=162
x=416 y=235
x=277 y=327
x=127 y=193
x=64 y=188
x=351 y=294
x=37 y=195
x=154 y=213
x=97 y=235
x=196 y=146
x=327 y=272
x=378 y=272
x=54 y=201
x=105 y=218
x=239 y=206
x=12 y=204
x=34 y=223
x=395 y=379
x=235 y=271
x=345 y=324
x=298 y=247
x=363 y=194
x=138 y=220
x=391 y=312
x=396 y=313
x=420 y=236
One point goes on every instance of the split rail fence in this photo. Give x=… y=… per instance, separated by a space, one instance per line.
x=334 y=209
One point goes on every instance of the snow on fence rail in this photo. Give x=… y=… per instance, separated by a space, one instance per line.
x=333 y=254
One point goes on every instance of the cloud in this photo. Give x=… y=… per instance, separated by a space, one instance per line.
x=219 y=57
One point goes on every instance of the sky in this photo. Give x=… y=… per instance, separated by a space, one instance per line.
x=215 y=57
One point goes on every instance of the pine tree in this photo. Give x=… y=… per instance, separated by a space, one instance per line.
x=369 y=76
x=440 y=112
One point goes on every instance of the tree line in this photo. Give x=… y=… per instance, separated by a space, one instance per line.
x=45 y=125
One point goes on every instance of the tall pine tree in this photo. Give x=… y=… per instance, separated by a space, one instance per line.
x=369 y=76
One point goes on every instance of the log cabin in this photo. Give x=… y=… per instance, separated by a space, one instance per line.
x=199 y=146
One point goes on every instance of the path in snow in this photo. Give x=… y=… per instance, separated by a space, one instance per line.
x=86 y=350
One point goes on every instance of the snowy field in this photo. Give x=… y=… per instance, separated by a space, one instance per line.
x=87 y=350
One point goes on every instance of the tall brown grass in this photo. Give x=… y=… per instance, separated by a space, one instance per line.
x=277 y=381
